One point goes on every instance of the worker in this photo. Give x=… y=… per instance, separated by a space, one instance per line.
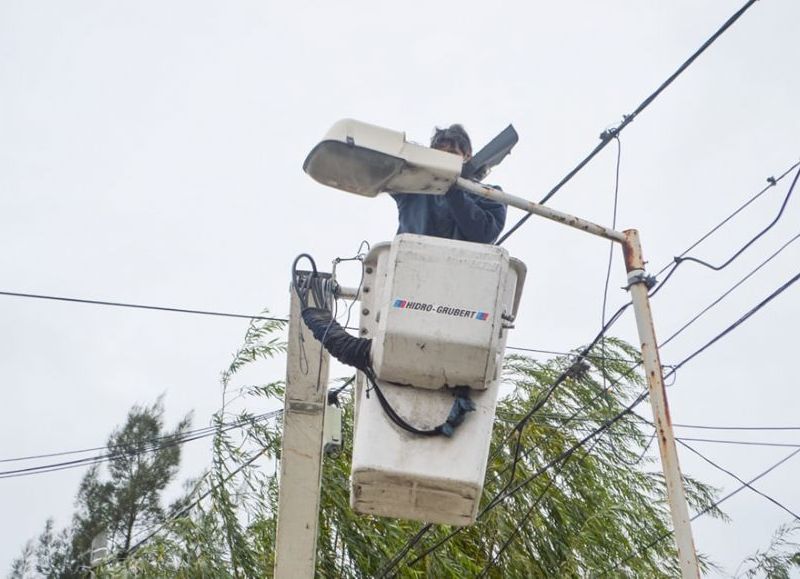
x=457 y=214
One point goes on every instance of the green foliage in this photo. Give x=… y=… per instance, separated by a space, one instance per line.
x=778 y=560
x=124 y=503
x=587 y=515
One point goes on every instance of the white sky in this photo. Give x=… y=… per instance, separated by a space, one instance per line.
x=151 y=152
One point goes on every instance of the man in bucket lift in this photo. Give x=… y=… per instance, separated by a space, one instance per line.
x=457 y=214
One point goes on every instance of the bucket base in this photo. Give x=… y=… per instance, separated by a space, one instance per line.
x=421 y=499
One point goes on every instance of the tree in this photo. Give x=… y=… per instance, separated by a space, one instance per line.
x=778 y=560
x=142 y=460
x=589 y=513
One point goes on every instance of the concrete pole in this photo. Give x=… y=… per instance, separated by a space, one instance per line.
x=634 y=264
x=301 y=451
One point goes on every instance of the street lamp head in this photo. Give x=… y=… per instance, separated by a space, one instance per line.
x=367 y=160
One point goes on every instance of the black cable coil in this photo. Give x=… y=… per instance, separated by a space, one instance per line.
x=347 y=349
x=357 y=352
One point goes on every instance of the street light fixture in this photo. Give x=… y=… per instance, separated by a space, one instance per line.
x=367 y=160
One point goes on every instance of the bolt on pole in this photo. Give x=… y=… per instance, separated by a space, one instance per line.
x=634 y=265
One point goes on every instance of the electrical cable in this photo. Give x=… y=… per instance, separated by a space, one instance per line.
x=713 y=505
x=741 y=442
x=141 y=306
x=608 y=280
x=771 y=182
x=682 y=259
x=121 y=556
x=506 y=493
x=677 y=261
x=518 y=528
x=607 y=135
x=699 y=426
x=613 y=226
x=224 y=314
x=357 y=352
x=728 y=292
x=741 y=320
x=573 y=353
x=205 y=429
x=110 y=456
x=739 y=479
x=707 y=427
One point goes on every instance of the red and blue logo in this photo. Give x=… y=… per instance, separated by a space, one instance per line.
x=445 y=310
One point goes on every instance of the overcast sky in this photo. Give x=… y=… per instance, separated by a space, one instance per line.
x=151 y=152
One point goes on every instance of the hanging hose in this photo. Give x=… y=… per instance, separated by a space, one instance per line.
x=357 y=352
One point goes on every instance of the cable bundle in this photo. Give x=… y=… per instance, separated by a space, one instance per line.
x=357 y=352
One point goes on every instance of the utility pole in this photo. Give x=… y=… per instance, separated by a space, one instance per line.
x=637 y=283
x=301 y=450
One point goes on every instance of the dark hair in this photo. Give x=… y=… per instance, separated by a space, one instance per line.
x=456 y=135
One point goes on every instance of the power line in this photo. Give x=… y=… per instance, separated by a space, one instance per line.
x=684 y=442
x=697 y=426
x=741 y=442
x=142 y=306
x=713 y=505
x=726 y=471
x=99 y=459
x=515 y=533
x=729 y=291
x=205 y=429
x=229 y=315
x=573 y=353
x=506 y=493
x=606 y=136
x=741 y=320
x=679 y=260
x=179 y=514
x=771 y=182
x=707 y=427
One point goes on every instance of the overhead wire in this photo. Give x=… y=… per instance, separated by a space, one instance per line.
x=166 y=442
x=773 y=500
x=771 y=182
x=607 y=135
x=181 y=513
x=728 y=292
x=713 y=505
x=534 y=504
x=742 y=319
x=693 y=426
x=205 y=429
x=677 y=261
x=732 y=326
x=141 y=306
x=507 y=491
x=607 y=282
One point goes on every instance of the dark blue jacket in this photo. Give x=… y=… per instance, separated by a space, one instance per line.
x=457 y=214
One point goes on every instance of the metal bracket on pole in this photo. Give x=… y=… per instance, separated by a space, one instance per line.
x=301 y=451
